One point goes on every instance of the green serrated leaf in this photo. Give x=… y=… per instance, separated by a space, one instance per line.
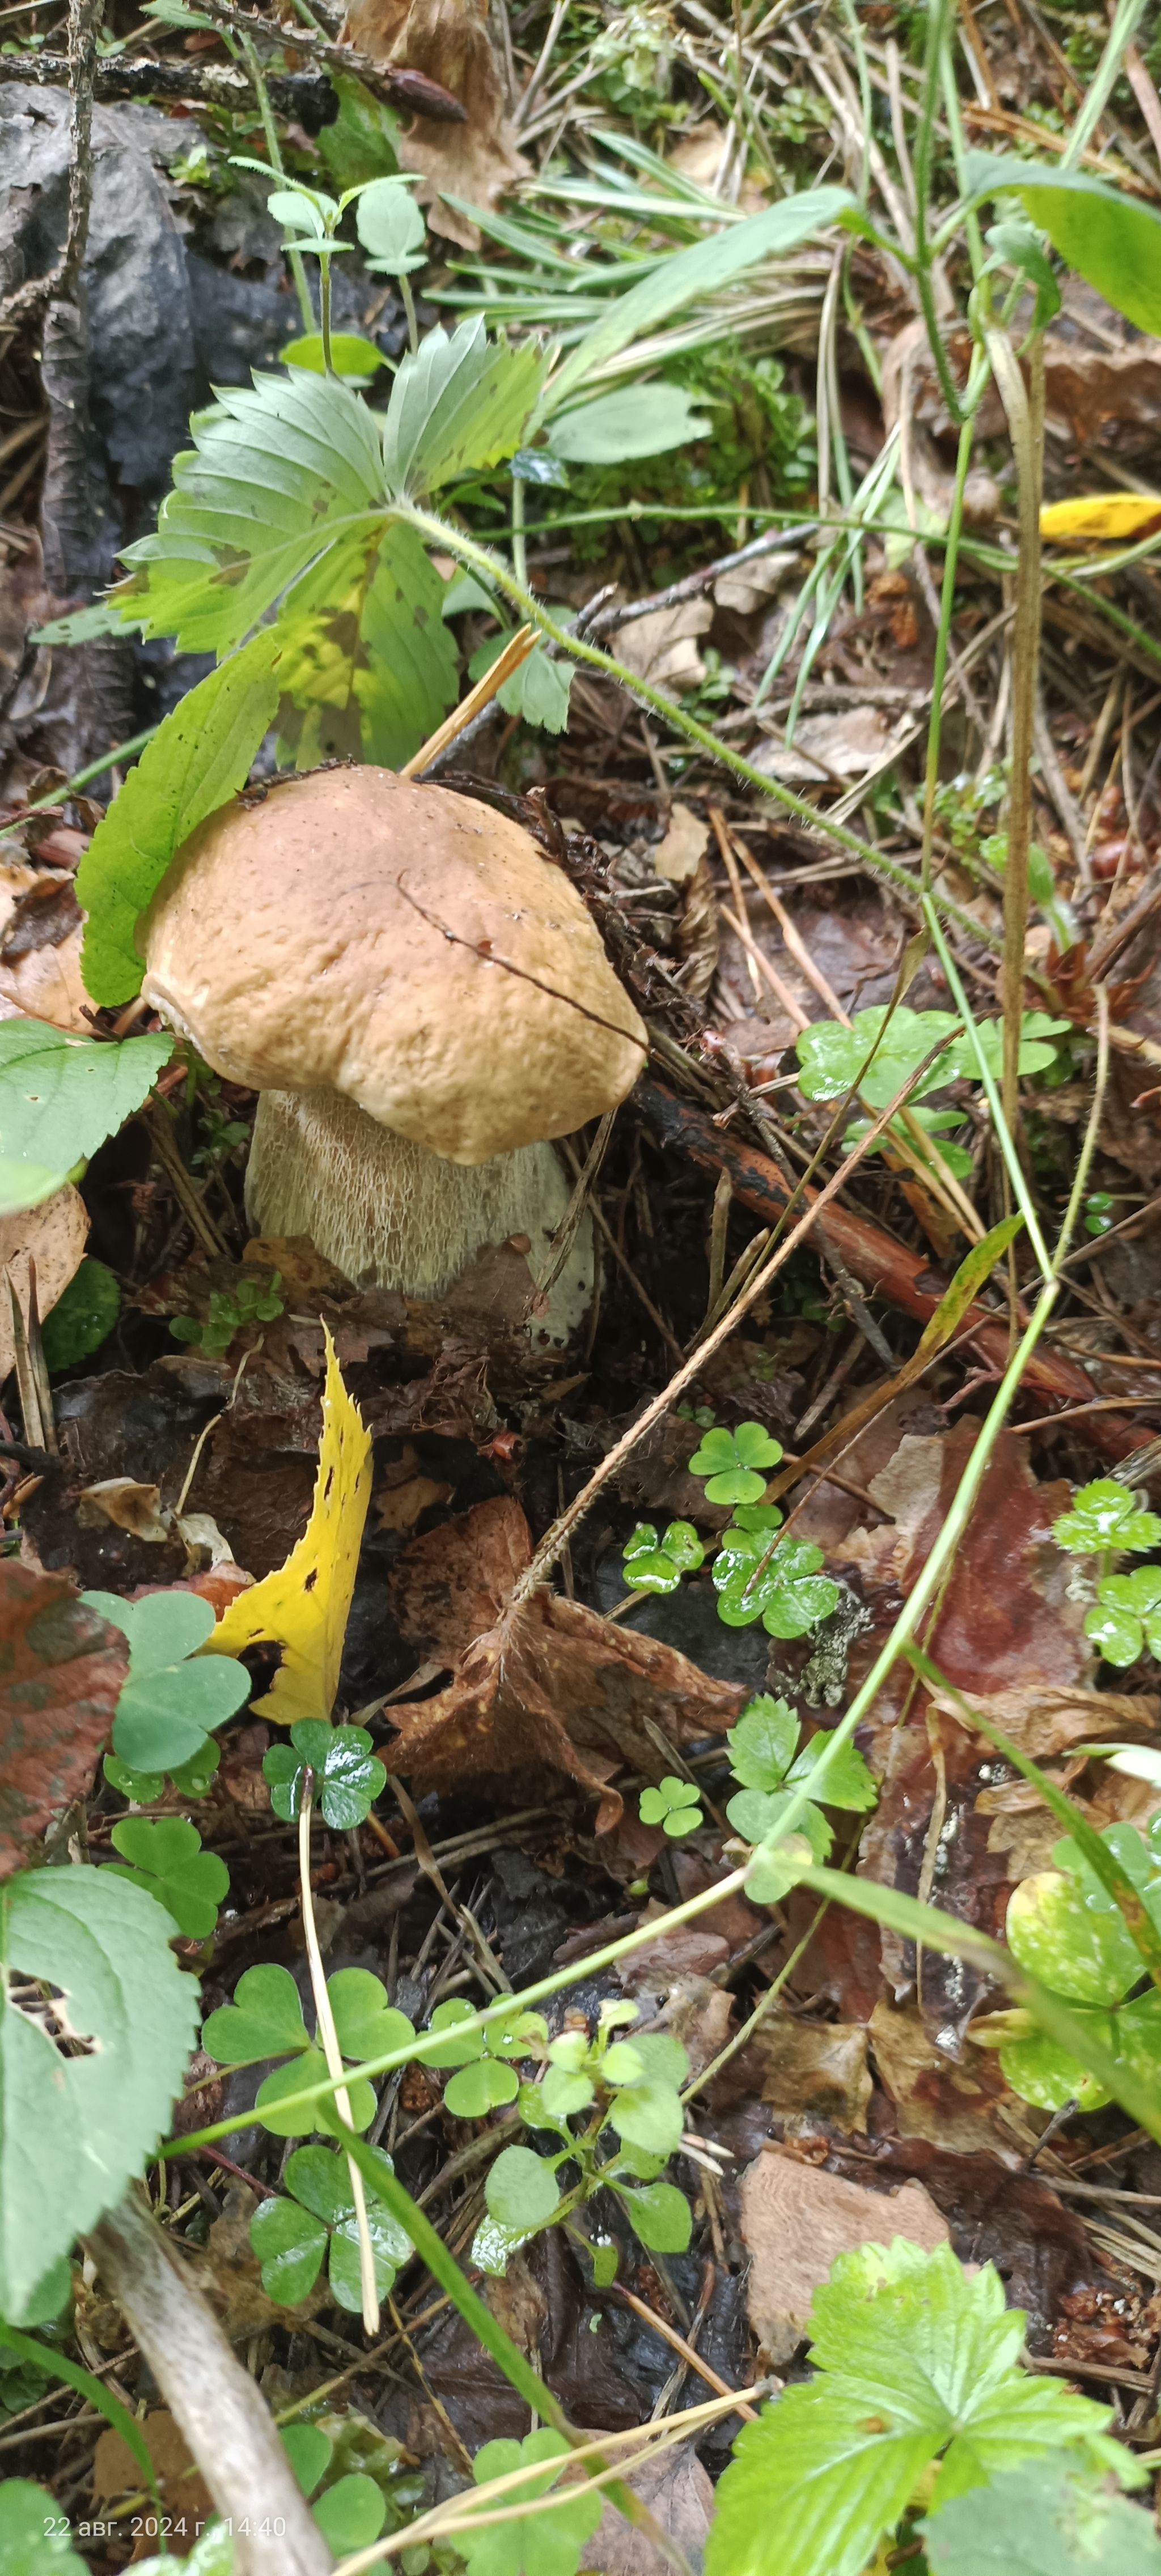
x=914 y=2363
x=763 y=1742
x=636 y=420
x=458 y=404
x=198 y=757
x=1113 y=241
x=60 y=1096
x=1052 y=2517
x=73 y=2130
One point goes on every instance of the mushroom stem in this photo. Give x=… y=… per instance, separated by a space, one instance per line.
x=389 y=1212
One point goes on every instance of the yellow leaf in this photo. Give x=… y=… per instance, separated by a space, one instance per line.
x=304 y=1605
x=1119 y=517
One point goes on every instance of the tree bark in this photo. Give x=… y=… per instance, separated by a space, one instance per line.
x=214 y=2401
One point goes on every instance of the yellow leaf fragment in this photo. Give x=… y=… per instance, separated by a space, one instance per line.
x=304 y=1605
x=1118 y=517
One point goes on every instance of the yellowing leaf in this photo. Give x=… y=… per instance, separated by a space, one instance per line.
x=1118 y=517
x=304 y=1605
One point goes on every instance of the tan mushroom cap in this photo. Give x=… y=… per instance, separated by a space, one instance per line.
x=405 y=946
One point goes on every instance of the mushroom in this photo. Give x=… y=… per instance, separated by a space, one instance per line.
x=421 y=1000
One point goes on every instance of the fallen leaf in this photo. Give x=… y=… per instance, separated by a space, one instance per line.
x=1119 y=517
x=662 y=647
x=844 y=745
x=451 y=1584
x=698 y=934
x=184 y=2494
x=813 y=2069
x=796 y=2218
x=128 y=1505
x=447 y=39
x=935 y=2097
x=303 y=1607
x=402 y=1505
x=752 y=585
x=53 y=1235
x=62 y=1668
x=551 y=1690
x=682 y=846
x=679 y=2494
x=47 y=984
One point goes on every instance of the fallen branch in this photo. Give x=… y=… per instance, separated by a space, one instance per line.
x=308 y=96
x=216 y=2404
x=883 y=1266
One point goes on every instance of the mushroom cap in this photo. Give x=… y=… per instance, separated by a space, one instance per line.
x=405 y=946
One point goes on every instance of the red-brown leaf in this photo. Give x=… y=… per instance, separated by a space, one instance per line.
x=61 y=1669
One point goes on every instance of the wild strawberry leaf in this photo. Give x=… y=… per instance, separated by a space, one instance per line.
x=61 y=1095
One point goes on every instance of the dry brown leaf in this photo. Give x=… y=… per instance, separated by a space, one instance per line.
x=844 y=745
x=548 y=1689
x=54 y=1236
x=184 y=2495
x=48 y=985
x=679 y=2494
x=62 y=1671
x=796 y=2218
x=662 y=647
x=1043 y=1721
x=682 y=845
x=814 y=2069
x=935 y=2096
x=447 y=39
x=698 y=935
x=128 y=1505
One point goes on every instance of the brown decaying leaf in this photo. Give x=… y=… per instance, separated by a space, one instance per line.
x=61 y=1669
x=796 y=2218
x=53 y=1235
x=550 y=1690
x=679 y=2494
x=448 y=40
x=184 y=2494
x=807 y=2070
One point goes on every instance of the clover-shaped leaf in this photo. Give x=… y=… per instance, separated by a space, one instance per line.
x=519 y=2034
x=1127 y=1616
x=787 y=1594
x=730 y=1459
x=168 y=1704
x=1105 y=1514
x=547 y=2544
x=347 y=1776
x=657 y=1566
x=674 y=1804
x=291 y=2236
x=350 y=2513
x=167 y=1860
x=145 y=1787
x=480 y=2088
x=264 y=2020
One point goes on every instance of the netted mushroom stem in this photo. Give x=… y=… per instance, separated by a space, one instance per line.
x=388 y=1212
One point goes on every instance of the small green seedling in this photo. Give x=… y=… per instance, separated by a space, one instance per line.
x=834 y=1061
x=173 y=1697
x=346 y=1776
x=1107 y=1518
x=291 y=2235
x=769 y=1768
x=674 y=1804
x=252 y=1301
x=657 y=1565
x=626 y=2093
x=1065 y=1928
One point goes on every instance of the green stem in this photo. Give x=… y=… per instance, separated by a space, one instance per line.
x=942 y=644
x=440 y=532
x=324 y=312
x=519 y=540
x=518 y=2371
x=404 y=283
x=924 y=154
x=274 y=155
x=1104 y=81
x=1026 y=424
